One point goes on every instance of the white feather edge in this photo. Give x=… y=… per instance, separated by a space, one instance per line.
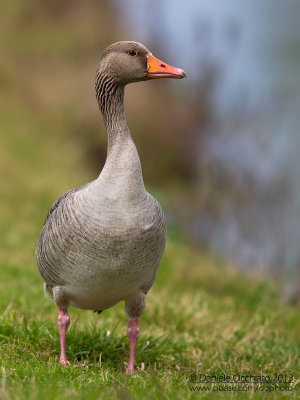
x=48 y=292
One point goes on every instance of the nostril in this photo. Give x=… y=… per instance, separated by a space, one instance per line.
x=163 y=65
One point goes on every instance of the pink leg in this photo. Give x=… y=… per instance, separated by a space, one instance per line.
x=63 y=323
x=133 y=335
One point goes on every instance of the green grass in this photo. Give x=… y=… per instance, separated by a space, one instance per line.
x=202 y=315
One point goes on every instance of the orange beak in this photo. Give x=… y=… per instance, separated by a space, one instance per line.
x=159 y=69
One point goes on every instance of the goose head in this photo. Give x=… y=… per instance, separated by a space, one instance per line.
x=126 y=62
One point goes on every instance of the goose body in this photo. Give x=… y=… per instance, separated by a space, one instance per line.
x=100 y=254
x=102 y=243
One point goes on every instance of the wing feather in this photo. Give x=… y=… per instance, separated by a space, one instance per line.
x=62 y=198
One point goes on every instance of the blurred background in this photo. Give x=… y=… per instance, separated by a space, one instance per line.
x=221 y=149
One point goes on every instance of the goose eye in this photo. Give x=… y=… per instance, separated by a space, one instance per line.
x=132 y=52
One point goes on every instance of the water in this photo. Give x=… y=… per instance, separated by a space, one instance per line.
x=253 y=138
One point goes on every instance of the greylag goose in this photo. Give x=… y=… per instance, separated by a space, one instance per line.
x=102 y=242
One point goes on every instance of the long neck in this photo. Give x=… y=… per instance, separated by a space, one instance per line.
x=122 y=165
x=110 y=98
